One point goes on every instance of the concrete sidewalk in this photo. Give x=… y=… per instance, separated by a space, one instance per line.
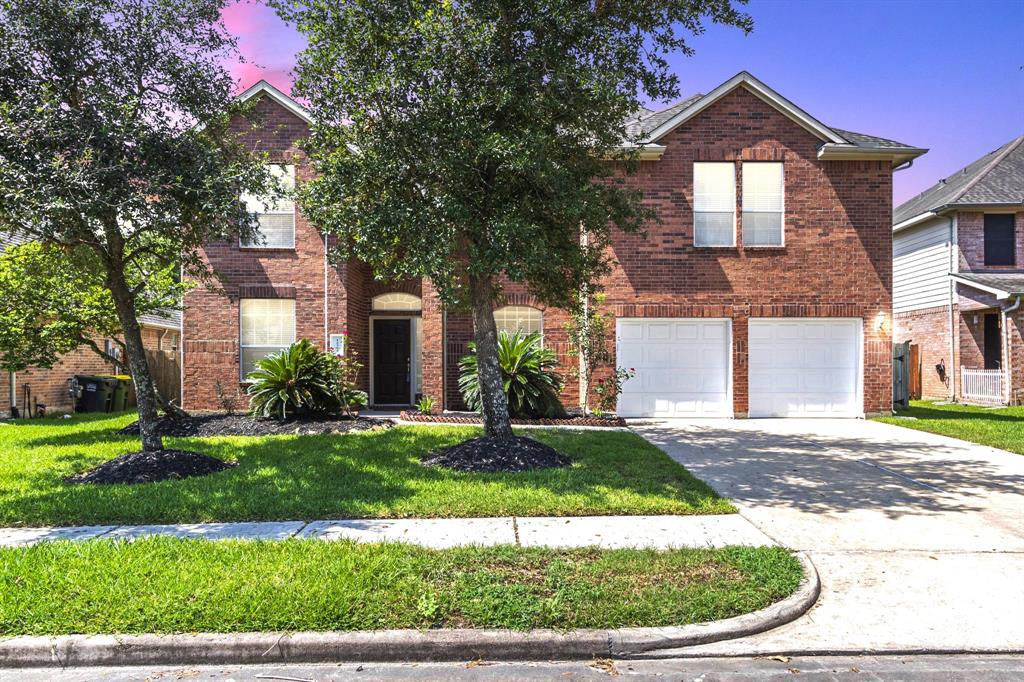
x=660 y=532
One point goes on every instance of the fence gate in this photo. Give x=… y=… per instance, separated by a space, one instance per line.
x=915 y=371
x=901 y=374
x=166 y=371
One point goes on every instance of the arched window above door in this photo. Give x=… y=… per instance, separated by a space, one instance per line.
x=397 y=301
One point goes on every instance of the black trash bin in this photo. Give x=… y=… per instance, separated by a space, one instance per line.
x=96 y=393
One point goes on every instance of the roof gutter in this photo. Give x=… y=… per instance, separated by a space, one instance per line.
x=831 y=151
x=1000 y=294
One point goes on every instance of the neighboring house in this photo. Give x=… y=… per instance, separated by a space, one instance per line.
x=51 y=387
x=765 y=289
x=958 y=274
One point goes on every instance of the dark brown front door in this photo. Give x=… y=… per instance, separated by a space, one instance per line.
x=993 y=348
x=391 y=368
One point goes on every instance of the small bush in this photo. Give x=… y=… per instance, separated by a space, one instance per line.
x=299 y=380
x=425 y=405
x=531 y=384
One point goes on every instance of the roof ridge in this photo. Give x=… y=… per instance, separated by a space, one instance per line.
x=1010 y=146
x=694 y=96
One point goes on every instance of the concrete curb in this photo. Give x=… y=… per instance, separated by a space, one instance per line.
x=396 y=645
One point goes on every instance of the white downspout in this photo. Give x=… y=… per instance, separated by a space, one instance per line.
x=954 y=266
x=327 y=336
x=1007 y=364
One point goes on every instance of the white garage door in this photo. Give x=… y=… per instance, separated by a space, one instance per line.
x=682 y=367
x=805 y=367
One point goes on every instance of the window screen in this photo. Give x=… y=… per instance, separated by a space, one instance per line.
x=1000 y=243
x=762 y=204
x=714 y=204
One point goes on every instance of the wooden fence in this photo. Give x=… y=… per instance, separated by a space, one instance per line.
x=166 y=370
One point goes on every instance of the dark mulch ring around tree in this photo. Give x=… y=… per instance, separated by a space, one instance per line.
x=223 y=424
x=493 y=455
x=149 y=467
x=474 y=418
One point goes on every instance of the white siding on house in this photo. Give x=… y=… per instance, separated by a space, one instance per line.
x=921 y=266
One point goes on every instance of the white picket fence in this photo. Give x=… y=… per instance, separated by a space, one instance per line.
x=982 y=385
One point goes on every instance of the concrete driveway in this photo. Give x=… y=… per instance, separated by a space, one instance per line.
x=919 y=538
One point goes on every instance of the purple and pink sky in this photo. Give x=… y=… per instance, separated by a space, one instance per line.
x=942 y=74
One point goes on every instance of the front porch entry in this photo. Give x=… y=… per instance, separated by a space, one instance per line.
x=981 y=370
x=395 y=348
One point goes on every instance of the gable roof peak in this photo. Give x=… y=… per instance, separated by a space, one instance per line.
x=264 y=87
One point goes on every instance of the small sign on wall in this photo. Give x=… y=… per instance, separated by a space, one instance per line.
x=338 y=343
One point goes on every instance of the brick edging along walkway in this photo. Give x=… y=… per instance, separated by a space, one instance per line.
x=610 y=422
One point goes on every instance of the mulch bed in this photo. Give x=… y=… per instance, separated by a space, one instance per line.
x=149 y=467
x=221 y=424
x=493 y=455
x=472 y=418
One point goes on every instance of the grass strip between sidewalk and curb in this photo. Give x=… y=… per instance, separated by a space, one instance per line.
x=169 y=585
x=373 y=474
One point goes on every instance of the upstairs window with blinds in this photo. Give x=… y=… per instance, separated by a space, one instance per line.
x=523 y=318
x=267 y=326
x=762 y=204
x=275 y=215
x=714 y=204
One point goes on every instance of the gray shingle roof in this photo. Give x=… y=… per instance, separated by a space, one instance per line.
x=996 y=178
x=871 y=141
x=1010 y=282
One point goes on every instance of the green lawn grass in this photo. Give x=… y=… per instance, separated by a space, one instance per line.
x=359 y=475
x=171 y=585
x=1000 y=428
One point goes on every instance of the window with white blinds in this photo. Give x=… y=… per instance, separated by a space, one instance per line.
x=276 y=216
x=513 y=317
x=714 y=204
x=763 y=190
x=267 y=326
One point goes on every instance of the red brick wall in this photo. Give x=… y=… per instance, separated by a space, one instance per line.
x=970 y=233
x=837 y=261
x=211 y=325
x=837 y=258
x=1015 y=338
x=929 y=330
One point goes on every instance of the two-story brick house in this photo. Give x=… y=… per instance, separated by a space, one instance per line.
x=958 y=279
x=764 y=290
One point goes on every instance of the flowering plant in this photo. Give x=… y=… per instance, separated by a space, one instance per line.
x=608 y=390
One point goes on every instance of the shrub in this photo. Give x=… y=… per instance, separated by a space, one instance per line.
x=346 y=376
x=425 y=405
x=301 y=379
x=531 y=384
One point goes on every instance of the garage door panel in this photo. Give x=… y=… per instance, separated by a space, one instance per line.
x=808 y=368
x=682 y=367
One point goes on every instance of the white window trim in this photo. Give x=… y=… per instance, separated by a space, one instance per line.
x=242 y=347
x=293 y=213
x=694 y=212
x=782 y=212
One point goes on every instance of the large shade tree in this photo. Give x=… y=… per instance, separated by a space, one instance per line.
x=115 y=138
x=469 y=141
x=54 y=300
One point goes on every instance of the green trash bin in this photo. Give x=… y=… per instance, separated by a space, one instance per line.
x=123 y=394
x=96 y=392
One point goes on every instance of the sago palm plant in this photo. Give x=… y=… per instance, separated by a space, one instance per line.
x=299 y=380
x=527 y=370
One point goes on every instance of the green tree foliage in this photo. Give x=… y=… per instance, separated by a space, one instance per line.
x=53 y=301
x=469 y=140
x=114 y=138
x=528 y=378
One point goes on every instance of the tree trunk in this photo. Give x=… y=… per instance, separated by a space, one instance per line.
x=145 y=390
x=485 y=333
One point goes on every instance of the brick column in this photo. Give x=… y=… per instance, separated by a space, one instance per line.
x=740 y=396
x=433 y=345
